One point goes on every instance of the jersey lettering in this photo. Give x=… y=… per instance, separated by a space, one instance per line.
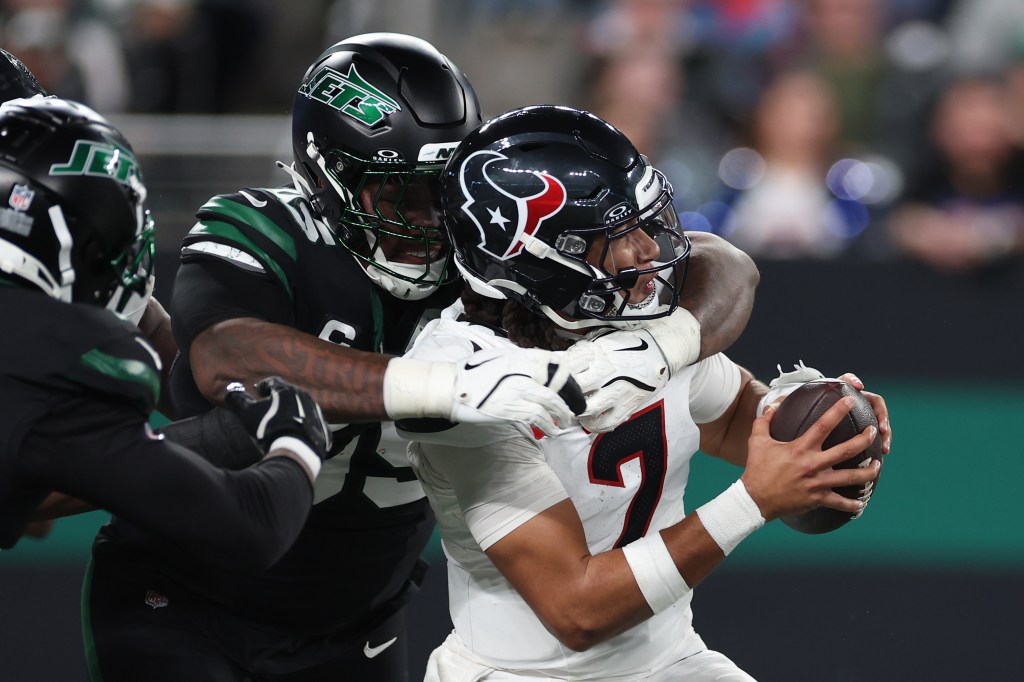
x=339 y=333
x=373 y=464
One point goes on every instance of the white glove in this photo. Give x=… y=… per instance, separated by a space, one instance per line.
x=490 y=386
x=787 y=382
x=678 y=337
x=618 y=371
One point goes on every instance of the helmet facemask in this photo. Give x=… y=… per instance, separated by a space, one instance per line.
x=607 y=299
x=135 y=267
x=390 y=221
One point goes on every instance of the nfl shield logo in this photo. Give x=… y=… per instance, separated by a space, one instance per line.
x=21 y=198
x=155 y=599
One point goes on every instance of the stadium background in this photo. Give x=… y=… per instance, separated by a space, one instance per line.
x=928 y=585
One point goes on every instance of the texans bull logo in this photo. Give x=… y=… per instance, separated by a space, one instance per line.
x=516 y=217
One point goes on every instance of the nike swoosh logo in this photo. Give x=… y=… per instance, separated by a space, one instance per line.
x=642 y=347
x=469 y=366
x=630 y=380
x=253 y=200
x=374 y=651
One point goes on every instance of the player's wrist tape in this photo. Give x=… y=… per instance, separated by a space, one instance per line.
x=678 y=337
x=655 y=572
x=417 y=388
x=731 y=516
x=300 y=449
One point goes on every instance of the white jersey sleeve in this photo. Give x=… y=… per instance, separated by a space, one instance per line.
x=495 y=489
x=713 y=387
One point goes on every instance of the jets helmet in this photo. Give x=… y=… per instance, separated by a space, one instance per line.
x=74 y=223
x=375 y=119
x=530 y=192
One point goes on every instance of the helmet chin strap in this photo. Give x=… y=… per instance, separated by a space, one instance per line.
x=17 y=261
x=133 y=306
x=397 y=286
x=400 y=288
x=298 y=182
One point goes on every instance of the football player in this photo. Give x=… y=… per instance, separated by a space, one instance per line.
x=78 y=382
x=571 y=557
x=326 y=281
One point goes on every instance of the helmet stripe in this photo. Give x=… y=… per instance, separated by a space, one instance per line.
x=67 y=272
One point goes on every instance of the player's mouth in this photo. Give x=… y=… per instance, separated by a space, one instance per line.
x=420 y=255
x=640 y=296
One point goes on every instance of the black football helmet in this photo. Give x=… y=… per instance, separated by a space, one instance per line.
x=16 y=81
x=382 y=112
x=75 y=223
x=529 y=193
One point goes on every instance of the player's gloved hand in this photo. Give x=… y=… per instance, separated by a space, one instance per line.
x=678 y=337
x=618 y=371
x=786 y=383
x=491 y=386
x=284 y=417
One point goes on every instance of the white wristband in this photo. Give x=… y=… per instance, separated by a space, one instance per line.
x=731 y=516
x=300 y=450
x=417 y=388
x=678 y=337
x=655 y=572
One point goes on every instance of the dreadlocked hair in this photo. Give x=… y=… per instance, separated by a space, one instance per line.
x=524 y=327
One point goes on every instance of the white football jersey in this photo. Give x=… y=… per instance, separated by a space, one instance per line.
x=484 y=482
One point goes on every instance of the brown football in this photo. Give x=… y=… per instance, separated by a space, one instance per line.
x=797 y=412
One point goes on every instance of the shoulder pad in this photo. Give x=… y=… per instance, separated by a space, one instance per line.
x=252 y=229
x=127 y=367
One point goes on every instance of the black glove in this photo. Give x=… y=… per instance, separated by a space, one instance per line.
x=285 y=410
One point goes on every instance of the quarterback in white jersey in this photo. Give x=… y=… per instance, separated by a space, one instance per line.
x=485 y=483
x=571 y=555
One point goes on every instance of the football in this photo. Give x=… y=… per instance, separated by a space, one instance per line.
x=797 y=412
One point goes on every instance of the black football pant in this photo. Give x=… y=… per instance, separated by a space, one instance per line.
x=140 y=627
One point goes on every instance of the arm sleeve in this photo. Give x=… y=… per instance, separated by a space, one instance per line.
x=217 y=436
x=496 y=488
x=242 y=520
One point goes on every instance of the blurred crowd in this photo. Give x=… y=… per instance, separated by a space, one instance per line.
x=794 y=128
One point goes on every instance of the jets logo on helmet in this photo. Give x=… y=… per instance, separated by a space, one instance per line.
x=350 y=94
x=90 y=157
x=486 y=203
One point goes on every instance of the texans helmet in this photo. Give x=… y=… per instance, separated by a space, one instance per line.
x=382 y=112
x=74 y=223
x=530 y=192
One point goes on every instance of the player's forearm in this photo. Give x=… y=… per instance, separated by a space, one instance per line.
x=243 y=520
x=719 y=291
x=347 y=383
x=603 y=598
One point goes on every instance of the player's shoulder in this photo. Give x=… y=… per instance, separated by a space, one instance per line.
x=259 y=230
x=81 y=348
x=278 y=214
x=451 y=337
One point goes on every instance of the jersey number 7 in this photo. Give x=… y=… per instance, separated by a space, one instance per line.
x=641 y=438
